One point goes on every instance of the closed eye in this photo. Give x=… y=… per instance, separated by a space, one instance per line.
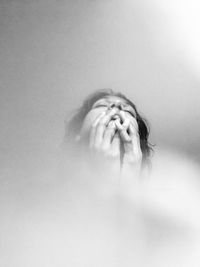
x=100 y=105
x=131 y=113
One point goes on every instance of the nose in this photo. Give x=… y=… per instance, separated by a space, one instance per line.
x=116 y=104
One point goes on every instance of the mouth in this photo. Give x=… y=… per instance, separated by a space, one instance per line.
x=116 y=117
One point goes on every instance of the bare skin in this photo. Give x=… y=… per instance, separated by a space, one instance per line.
x=110 y=126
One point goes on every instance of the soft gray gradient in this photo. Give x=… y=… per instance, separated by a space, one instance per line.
x=53 y=53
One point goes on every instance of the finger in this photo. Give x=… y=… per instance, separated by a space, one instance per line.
x=118 y=124
x=133 y=150
x=125 y=119
x=123 y=132
x=100 y=128
x=122 y=115
x=126 y=123
x=93 y=129
x=133 y=129
x=108 y=135
x=115 y=146
x=136 y=141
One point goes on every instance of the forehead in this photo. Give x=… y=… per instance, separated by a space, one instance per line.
x=115 y=98
x=112 y=98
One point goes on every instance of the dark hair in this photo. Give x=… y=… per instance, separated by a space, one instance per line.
x=74 y=124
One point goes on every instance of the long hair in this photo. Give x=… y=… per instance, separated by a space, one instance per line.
x=74 y=124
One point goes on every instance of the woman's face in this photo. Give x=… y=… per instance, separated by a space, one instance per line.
x=104 y=104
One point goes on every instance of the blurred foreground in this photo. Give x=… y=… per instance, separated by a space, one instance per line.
x=66 y=217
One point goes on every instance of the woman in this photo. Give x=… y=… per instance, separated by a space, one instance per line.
x=109 y=126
